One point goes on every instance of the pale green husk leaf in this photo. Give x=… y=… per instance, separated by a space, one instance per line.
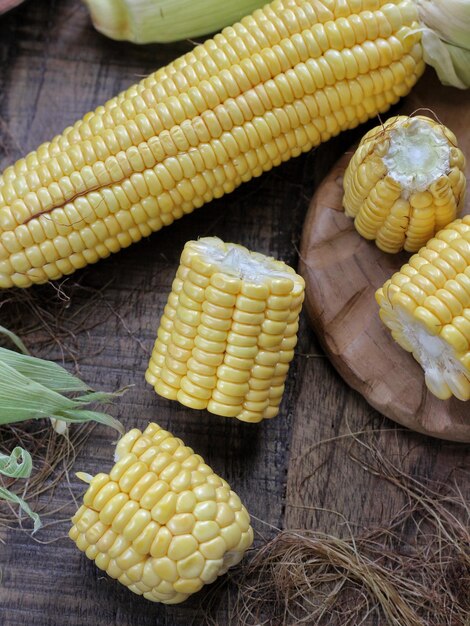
x=23 y=398
x=446 y=39
x=14 y=339
x=147 y=21
x=18 y=465
x=32 y=388
x=452 y=64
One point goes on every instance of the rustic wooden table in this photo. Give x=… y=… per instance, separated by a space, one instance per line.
x=53 y=68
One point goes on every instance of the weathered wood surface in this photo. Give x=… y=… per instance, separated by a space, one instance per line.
x=342 y=273
x=54 y=68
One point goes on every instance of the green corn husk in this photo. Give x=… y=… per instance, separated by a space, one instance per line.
x=446 y=39
x=162 y=21
x=18 y=465
x=32 y=388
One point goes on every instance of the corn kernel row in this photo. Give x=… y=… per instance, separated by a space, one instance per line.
x=275 y=24
x=387 y=210
x=427 y=308
x=161 y=521
x=147 y=159
x=225 y=339
x=105 y=222
x=214 y=107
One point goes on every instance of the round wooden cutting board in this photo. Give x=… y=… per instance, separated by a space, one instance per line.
x=342 y=272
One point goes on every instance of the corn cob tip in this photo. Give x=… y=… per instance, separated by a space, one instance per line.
x=405 y=182
x=161 y=521
x=228 y=331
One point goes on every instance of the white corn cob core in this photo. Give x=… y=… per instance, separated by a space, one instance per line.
x=442 y=369
x=417 y=156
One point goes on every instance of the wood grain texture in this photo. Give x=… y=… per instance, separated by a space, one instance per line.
x=342 y=272
x=53 y=68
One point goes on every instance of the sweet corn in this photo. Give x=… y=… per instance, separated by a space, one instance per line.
x=228 y=331
x=405 y=182
x=426 y=305
x=161 y=521
x=281 y=81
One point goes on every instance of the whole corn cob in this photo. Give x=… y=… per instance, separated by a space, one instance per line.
x=405 y=182
x=161 y=521
x=228 y=331
x=281 y=81
x=426 y=305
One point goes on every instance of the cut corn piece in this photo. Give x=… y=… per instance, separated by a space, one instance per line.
x=427 y=308
x=283 y=80
x=161 y=522
x=405 y=182
x=228 y=331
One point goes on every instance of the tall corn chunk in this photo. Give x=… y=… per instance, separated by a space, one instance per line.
x=426 y=305
x=405 y=182
x=161 y=521
x=281 y=81
x=228 y=331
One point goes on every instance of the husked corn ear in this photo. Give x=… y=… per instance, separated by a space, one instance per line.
x=426 y=305
x=228 y=331
x=283 y=80
x=161 y=521
x=405 y=182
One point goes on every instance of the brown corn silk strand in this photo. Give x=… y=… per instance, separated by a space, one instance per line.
x=414 y=570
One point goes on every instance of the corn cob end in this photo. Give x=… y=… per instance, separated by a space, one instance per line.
x=426 y=306
x=161 y=522
x=228 y=331
x=405 y=182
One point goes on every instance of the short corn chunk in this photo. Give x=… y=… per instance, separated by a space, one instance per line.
x=405 y=182
x=228 y=331
x=161 y=521
x=281 y=81
x=426 y=305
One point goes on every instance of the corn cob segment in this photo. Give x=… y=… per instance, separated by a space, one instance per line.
x=161 y=521
x=404 y=183
x=426 y=305
x=228 y=331
x=290 y=76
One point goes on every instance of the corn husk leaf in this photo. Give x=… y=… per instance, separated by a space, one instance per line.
x=14 y=339
x=54 y=377
x=23 y=398
x=18 y=465
x=32 y=388
x=446 y=39
x=452 y=64
x=161 y=21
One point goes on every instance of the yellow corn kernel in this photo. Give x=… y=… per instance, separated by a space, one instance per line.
x=435 y=327
x=253 y=345
x=288 y=77
x=201 y=531
x=399 y=185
